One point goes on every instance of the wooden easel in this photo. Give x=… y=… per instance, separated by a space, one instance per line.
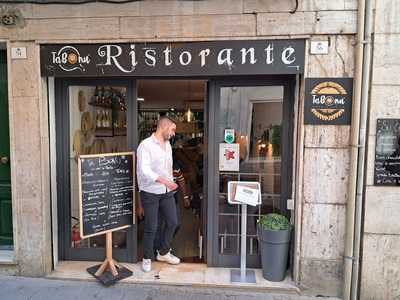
x=109 y=262
x=110 y=271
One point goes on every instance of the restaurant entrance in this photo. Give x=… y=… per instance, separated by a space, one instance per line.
x=114 y=115
x=183 y=101
x=95 y=116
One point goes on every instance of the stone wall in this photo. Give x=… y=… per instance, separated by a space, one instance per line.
x=381 y=256
x=30 y=164
x=325 y=183
x=183 y=20
x=323 y=177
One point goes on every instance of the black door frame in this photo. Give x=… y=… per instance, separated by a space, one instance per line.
x=63 y=168
x=289 y=84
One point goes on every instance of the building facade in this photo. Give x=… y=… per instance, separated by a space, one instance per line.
x=320 y=159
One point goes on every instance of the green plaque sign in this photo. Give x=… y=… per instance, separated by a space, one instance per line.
x=229 y=136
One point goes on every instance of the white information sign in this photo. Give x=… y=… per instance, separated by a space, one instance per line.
x=246 y=195
x=244 y=192
x=229 y=157
x=18 y=53
x=319 y=47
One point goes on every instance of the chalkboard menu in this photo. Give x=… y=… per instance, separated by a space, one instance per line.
x=106 y=192
x=387 y=152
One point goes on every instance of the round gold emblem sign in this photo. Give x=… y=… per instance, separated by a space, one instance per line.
x=324 y=96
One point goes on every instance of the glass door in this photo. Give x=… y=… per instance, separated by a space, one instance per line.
x=261 y=115
x=92 y=117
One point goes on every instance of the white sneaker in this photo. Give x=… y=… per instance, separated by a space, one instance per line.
x=146 y=265
x=168 y=258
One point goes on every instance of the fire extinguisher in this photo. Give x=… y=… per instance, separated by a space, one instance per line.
x=75 y=236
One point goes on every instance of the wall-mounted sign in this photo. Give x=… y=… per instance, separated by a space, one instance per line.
x=328 y=101
x=387 y=152
x=229 y=155
x=18 y=53
x=319 y=47
x=229 y=136
x=244 y=192
x=174 y=59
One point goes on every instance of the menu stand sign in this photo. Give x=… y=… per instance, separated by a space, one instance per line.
x=243 y=193
x=106 y=204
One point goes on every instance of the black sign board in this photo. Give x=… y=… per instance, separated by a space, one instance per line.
x=106 y=192
x=387 y=152
x=328 y=101
x=245 y=57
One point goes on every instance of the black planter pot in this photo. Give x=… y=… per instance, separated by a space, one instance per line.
x=274 y=248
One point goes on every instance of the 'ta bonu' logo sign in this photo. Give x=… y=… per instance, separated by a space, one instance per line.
x=328 y=101
x=69 y=59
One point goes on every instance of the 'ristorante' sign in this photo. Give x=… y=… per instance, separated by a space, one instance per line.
x=174 y=59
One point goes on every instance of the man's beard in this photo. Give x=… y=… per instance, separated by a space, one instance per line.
x=166 y=137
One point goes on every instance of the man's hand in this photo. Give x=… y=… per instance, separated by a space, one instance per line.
x=172 y=186
x=140 y=212
x=186 y=201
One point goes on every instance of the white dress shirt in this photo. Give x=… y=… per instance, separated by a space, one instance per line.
x=153 y=161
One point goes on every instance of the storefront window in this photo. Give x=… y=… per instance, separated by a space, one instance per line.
x=255 y=113
x=97 y=125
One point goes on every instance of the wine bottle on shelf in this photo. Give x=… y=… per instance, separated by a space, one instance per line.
x=101 y=118
x=98 y=119
x=105 y=123
x=117 y=120
x=104 y=119
x=109 y=119
x=95 y=98
x=102 y=98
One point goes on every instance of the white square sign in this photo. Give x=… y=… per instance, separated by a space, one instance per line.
x=244 y=192
x=229 y=157
x=18 y=53
x=319 y=47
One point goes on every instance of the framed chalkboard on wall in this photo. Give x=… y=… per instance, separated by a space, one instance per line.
x=387 y=152
x=106 y=192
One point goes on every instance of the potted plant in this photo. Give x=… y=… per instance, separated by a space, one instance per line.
x=274 y=237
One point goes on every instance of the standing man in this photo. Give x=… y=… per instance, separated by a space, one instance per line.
x=156 y=185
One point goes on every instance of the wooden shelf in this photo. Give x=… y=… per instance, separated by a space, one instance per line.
x=103 y=132
x=120 y=131
x=102 y=105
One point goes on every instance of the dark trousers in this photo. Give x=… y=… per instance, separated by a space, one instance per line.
x=153 y=206
x=161 y=224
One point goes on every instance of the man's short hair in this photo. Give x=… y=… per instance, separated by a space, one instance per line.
x=165 y=120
